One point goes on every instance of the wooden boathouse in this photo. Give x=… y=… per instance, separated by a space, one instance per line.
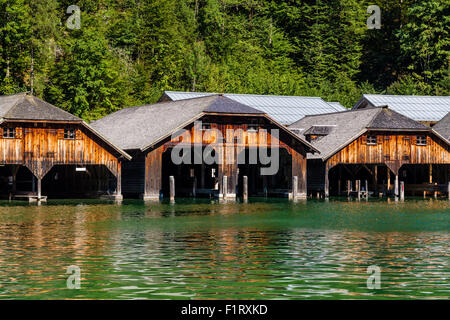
x=46 y=150
x=377 y=145
x=231 y=130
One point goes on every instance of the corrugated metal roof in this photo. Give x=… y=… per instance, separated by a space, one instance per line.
x=284 y=109
x=419 y=108
x=337 y=106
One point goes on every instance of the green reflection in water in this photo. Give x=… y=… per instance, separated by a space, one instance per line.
x=201 y=249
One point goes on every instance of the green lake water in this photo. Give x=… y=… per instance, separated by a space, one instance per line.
x=199 y=249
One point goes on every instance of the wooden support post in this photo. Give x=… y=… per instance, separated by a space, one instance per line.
x=225 y=187
x=375 y=178
x=396 y=191
x=194 y=187
x=435 y=190
x=119 y=180
x=326 y=186
x=172 y=188
x=388 y=179
x=349 y=188
x=402 y=191
x=430 y=172
x=265 y=186
x=367 y=190
x=294 y=187
x=39 y=190
x=448 y=190
x=358 y=188
x=245 y=188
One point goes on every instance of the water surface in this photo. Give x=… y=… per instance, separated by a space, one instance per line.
x=200 y=249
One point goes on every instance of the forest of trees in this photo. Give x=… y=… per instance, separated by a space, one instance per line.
x=127 y=52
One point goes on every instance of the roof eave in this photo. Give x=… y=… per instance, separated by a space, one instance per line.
x=104 y=139
x=440 y=136
x=163 y=137
x=332 y=153
x=292 y=134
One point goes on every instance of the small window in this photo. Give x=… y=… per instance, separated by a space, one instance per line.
x=206 y=126
x=253 y=126
x=69 y=134
x=9 y=133
x=371 y=140
x=421 y=140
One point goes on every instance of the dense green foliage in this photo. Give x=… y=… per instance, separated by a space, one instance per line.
x=128 y=51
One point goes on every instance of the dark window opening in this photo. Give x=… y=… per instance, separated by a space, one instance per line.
x=206 y=126
x=69 y=134
x=9 y=132
x=253 y=126
x=371 y=140
x=421 y=140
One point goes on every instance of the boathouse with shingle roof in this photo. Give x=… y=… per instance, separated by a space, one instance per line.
x=230 y=131
x=370 y=144
x=51 y=142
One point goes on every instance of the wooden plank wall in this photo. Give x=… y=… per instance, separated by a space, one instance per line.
x=232 y=145
x=41 y=147
x=391 y=147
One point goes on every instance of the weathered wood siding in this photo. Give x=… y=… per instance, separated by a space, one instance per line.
x=392 y=147
x=236 y=138
x=43 y=146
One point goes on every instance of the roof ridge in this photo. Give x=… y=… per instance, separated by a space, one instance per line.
x=244 y=94
x=343 y=111
x=402 y=95
x=380 y=110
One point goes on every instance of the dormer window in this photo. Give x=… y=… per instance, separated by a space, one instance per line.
x=421 y=140
x=9 y=133
x=69 y=134
x=317 y=132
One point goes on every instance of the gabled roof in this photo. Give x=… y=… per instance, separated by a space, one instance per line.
x=442 y=128
x=419 y=108
x=349 y=125
x=25 y=107
x=284 y=109
x=144 y=126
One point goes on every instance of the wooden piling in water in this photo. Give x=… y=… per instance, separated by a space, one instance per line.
x=225 y=187
x=358 y=188
x=349 y=188
x=402 y=191
x=294 y=187
x=396 y=187
x=172 y=188
x=448 y=191
x=367 y=190
x=194 y=187
x=245 y=182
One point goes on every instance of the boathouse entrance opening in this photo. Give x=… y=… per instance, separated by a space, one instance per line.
x=72 y=181
x=277 y=185
x=191 y=180
x=418 y=179
x=204 y=180
x=15 y=179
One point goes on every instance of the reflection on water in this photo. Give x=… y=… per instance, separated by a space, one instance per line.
x=197 y=249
